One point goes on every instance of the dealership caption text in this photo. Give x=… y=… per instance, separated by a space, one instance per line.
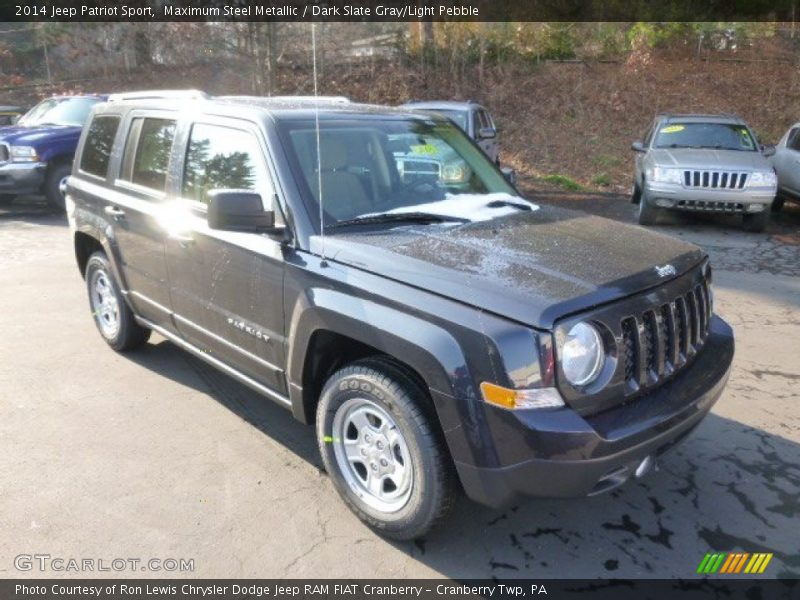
x=277 y=591
x=397 y=12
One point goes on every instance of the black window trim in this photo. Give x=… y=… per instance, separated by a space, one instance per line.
x=120 y=120
x=147 y=192
x=243 y=125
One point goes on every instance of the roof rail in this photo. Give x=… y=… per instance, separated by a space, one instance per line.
x=159 y=94
x=336 y=99
x=698 y=115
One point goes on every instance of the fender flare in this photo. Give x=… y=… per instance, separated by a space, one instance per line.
x=427 y=348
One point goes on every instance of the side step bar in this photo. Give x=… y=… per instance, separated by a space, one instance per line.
x=215 y=362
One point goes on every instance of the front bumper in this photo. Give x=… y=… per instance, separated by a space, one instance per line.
x=558 y=453
x=679 y=197
x=22 y=178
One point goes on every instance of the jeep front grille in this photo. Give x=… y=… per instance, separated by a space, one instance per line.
x=711 y=206
x=661 y=340
x=651 y=337
x=728 y=180
x=410 y=168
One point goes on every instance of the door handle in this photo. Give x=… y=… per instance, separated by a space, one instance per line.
x=115 y=212
x=184 y=241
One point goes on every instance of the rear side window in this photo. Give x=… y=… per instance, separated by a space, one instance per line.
x=223 y=158
x=97 y=148
x=147 y=152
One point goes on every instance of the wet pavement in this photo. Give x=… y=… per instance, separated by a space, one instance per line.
x=154 y=454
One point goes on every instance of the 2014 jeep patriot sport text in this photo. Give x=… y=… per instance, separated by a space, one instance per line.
x=436 y=333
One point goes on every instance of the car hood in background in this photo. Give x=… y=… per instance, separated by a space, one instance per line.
x=707 y=158
x=534 y=267
x=28 y=136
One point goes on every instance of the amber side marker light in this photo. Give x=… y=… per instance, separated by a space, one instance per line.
x=518 y=399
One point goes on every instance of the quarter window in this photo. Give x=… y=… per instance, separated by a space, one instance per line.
x=223 y=158
x=147 y=152
x=97 y=148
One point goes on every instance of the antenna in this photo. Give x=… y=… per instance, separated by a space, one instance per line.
x=319 y=152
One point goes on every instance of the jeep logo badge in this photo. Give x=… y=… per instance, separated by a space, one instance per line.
x=666 y=271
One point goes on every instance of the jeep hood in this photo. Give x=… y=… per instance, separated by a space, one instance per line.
x=29 y=136
x=533 y=266
x=708 y=158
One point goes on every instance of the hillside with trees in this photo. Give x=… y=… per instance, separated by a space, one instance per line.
x=569 y=97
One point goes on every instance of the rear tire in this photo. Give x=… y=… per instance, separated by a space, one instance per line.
x=648 y=214
x=52 y=185
x=111 y=313
x=382 y=449
x=756 y=222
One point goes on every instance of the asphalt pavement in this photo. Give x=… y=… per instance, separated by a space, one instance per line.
x=154 y=455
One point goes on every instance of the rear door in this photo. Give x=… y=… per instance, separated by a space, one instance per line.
x=787 y=162
x=227 y=287
x=132 y=206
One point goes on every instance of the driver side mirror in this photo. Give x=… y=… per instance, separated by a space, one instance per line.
x=239 y=210
x=768 y=150
x=638 y=147
x=487 y=133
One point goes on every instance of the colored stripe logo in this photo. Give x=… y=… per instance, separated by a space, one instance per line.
x=734 y=562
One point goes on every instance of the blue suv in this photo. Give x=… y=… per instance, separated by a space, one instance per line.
x=36 y=154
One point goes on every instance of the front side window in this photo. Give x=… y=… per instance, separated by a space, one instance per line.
x=382 y=165
x=223 y=158
x=147 y=152
x=97 y=148
x=793 y=142
x=719 y=136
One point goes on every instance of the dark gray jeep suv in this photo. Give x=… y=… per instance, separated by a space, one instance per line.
x=437 y=334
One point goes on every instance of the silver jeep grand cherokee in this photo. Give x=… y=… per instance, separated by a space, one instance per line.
x=708 y=163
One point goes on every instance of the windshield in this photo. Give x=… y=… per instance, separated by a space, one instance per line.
x=376 y=165
x=722 y=136
x=59 y=111
x=459 y=117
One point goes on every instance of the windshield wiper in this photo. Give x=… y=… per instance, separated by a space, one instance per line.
x=398 y=217
x=509 y=203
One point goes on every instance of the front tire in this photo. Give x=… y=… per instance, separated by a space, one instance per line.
x=112 y=315
x=382 y=450
x=636 y=194
x=777 y=204
x=756 y=222
x=648 y=214
x=6 y=199
x=53 y=183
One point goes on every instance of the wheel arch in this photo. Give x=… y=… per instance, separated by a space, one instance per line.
x=86 y=242
x=334 y=329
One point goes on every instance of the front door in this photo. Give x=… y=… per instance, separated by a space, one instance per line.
x=489 y=145
x=227 y=287
x=787 y=162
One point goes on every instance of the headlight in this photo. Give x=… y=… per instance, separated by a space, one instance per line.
x=582 y=355
x=454 y=173
x=24 y=153
x=763 y=179
x=662 y=175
